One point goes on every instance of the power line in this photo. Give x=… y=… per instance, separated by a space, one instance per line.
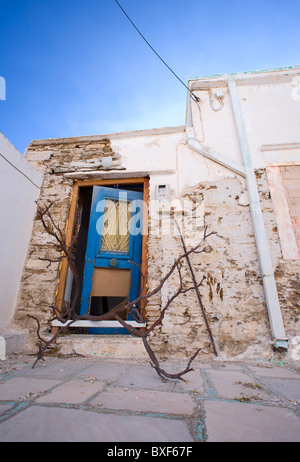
x=18 y=170
x=195 y=98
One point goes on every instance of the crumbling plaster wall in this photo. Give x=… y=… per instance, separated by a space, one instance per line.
x=232 y=292
x=59 y=161
x=40 y=279
x=271 y=115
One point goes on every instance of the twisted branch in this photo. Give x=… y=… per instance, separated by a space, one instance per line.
x=69 y=316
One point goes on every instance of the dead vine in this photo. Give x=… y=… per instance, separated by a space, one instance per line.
x=69 y=316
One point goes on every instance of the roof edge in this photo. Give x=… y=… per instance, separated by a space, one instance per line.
x=125 y=134
x=263 y=74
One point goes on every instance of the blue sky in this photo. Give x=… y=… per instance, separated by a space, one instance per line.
x=75 y=67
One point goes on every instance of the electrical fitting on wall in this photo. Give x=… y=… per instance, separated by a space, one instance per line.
x=162 y=192
x=162 y=195
x=219 y=95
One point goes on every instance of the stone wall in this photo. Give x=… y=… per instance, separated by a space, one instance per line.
x=232 y=290
x=233 y=293
x=39 y=280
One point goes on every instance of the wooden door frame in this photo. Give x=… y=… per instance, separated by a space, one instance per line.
x=63 y=269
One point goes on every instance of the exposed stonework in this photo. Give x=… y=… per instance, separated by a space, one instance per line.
x=39 y=280
x=72 y=156
x=232 y=292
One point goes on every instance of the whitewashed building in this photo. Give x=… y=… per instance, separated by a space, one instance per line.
x=20 y=187
x=235 y=167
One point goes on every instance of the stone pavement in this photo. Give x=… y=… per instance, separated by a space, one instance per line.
x=99 y=400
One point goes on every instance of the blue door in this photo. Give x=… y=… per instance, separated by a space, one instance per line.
x=114 y=242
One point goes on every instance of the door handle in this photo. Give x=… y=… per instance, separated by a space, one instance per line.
x=113 y=262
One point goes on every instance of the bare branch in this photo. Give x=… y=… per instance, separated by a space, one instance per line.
x=196 y=286
x=69 y=316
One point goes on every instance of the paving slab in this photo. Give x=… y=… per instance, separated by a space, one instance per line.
x=18 y=388
x=195 y=382
x=146 y=401
x=104 y=371
x=273 y=371
x=241 y=422
x=73 y=391
x=44 y=424
x=75 y=399
x=58 y=368
x=288 y=388
x=234 y=384
x=144 y=377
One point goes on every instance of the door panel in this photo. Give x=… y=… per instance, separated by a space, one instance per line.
x=116 y=237
x=114 y=242
x=105 y=278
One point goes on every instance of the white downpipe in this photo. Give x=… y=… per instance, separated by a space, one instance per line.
x=272 y=300
x=247 y=171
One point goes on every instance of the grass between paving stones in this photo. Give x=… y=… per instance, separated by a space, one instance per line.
x=247 y=399
x=249 y=384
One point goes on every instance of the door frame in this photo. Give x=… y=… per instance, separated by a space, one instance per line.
x=63 y=268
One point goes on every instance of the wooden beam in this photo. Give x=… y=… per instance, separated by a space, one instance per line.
x=113 y=181
x=63 y=270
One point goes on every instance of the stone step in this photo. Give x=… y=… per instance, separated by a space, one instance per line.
x=110 y=346
x=11 y=342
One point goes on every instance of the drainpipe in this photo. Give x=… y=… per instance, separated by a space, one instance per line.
x=272 y=300
x=206 y=151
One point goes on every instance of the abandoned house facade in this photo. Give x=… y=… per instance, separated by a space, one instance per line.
x=234 y=167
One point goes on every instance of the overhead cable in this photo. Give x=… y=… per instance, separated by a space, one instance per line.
x=195 y=98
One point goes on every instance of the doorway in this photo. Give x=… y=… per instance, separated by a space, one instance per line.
x=112 y=247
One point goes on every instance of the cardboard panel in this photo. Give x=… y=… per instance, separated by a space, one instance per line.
x=111 y=282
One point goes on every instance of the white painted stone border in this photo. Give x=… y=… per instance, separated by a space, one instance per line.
x=114 y=324
x=2 y=348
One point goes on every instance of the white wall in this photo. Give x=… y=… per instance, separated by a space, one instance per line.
x=262 y=111
x=270 y=107
x=19 y=188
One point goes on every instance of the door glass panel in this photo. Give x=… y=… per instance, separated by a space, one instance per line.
x=116 y=226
